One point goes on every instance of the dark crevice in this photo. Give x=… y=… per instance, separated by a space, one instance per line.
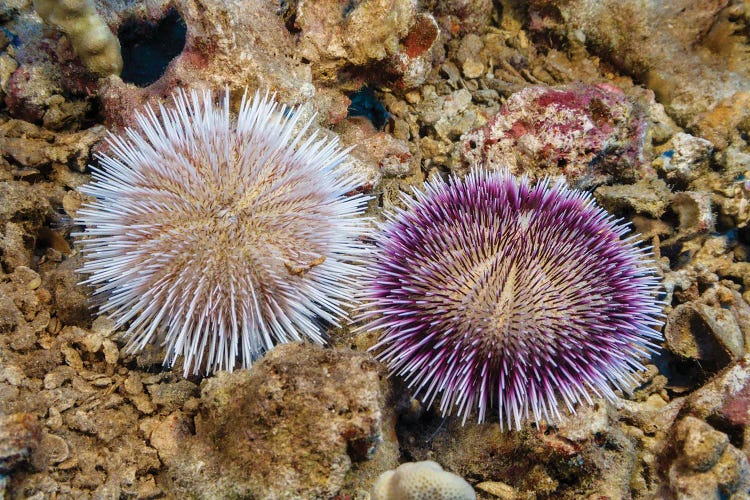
x=148 y=48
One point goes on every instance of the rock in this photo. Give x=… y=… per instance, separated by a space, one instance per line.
x=591 y=134
x=235 y=45
x=726 y=398
x=687 y=78
x=22 y=202
x=172 y=396
x=10 y=316
x=702 y=445
x=450 y=115
x=391 y=156
x=388 y=34
x=293 y=425
x=20 y=435
x=702 y=332
x=685 y=159
x=461 y=16
x=583 y=454
x=32 y=146
x=694 y=212
x=706 y=467
x=413 y=61
x=498 y=489
x=647 y=196
x=54 y=449
x=71 y=301
x=720 y=123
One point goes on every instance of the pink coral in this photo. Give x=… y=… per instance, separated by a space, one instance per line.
x=589 y=133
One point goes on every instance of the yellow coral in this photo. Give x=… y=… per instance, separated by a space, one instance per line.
x=91 y=38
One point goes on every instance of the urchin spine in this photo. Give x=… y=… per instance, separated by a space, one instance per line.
x=222 y=235
x=494 y=292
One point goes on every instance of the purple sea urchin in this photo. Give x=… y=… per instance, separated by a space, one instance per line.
x=219 y=235
x=492 y=291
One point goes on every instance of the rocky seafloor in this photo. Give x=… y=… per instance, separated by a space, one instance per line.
x=644 y=103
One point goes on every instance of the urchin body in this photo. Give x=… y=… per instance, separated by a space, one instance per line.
x=221 y=235
x=497 y=293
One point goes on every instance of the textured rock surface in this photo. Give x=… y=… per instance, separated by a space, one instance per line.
x=706 y=466
x=20 y=434
x=585 y=452
x=229 y=44
x=293 y=425
x=639 y=40
x=589 y=134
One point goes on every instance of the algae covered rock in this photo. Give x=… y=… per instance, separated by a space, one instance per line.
x=707 y=467
x=591 y=134
x=291 y=427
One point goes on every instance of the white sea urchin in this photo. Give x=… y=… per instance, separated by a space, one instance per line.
x=221 y=236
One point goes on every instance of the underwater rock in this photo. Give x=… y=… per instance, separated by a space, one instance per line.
x=591 y=134
x=20 y=435
x=360 y=34
x=378 y=40
x=725 y=400
x=660 y=43
x=712 y=329
x=391 y=155
x=292 y=425
x=230 y=45
x=694 y=212
x=701 y=444
x=30 y=148
x=706 y=466
x=413 y=61
x=686 y=158
x=647 y=196
x=699 y=331
x=450 y=115
x=458 y=17
x=23 y=208
x=583 y=454
x=724 y=122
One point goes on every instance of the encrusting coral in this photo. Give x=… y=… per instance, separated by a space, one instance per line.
x=91 y=38
x=222 y=236
x=421 y=481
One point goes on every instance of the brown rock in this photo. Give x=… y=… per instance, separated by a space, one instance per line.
x=20 y=434
x=699 y=331
x=293 y=425
x=702 y=445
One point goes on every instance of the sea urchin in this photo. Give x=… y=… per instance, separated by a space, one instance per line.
x=221 y=235
x=496 y=292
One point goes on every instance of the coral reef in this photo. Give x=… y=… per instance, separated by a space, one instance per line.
x=228 y=44
x=417 y=480
x=663 y=88
x=91 y=38
x=706 y=465
x=675 y=48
